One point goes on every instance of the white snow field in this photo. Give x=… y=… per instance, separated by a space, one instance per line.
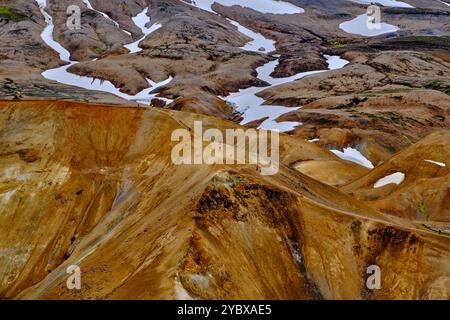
x=353 y=155
x=395 y=178
x=252 y=107
x=141 y=20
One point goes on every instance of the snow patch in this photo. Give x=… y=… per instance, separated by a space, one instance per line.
x=141 y=20
x=246 y=101
x=252 y=107
x=358 y=26
x=396 y=178
x=440 y=164
x=61 y=75
x=355 y=156
x=335 y=62
x=258 y=42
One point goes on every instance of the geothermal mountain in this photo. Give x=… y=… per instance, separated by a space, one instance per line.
x=87 y=113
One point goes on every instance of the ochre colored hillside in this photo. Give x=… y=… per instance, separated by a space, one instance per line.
x=425 y=192
x=95 y=186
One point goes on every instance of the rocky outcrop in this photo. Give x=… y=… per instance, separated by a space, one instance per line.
x=380 y=103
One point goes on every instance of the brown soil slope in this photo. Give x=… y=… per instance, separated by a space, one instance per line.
x=95 y=186
x=425 y=192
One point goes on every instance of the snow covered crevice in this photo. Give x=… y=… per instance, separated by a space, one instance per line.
x=61 y=74
x=252 y=108
x=259 y=42
x=141 y=20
